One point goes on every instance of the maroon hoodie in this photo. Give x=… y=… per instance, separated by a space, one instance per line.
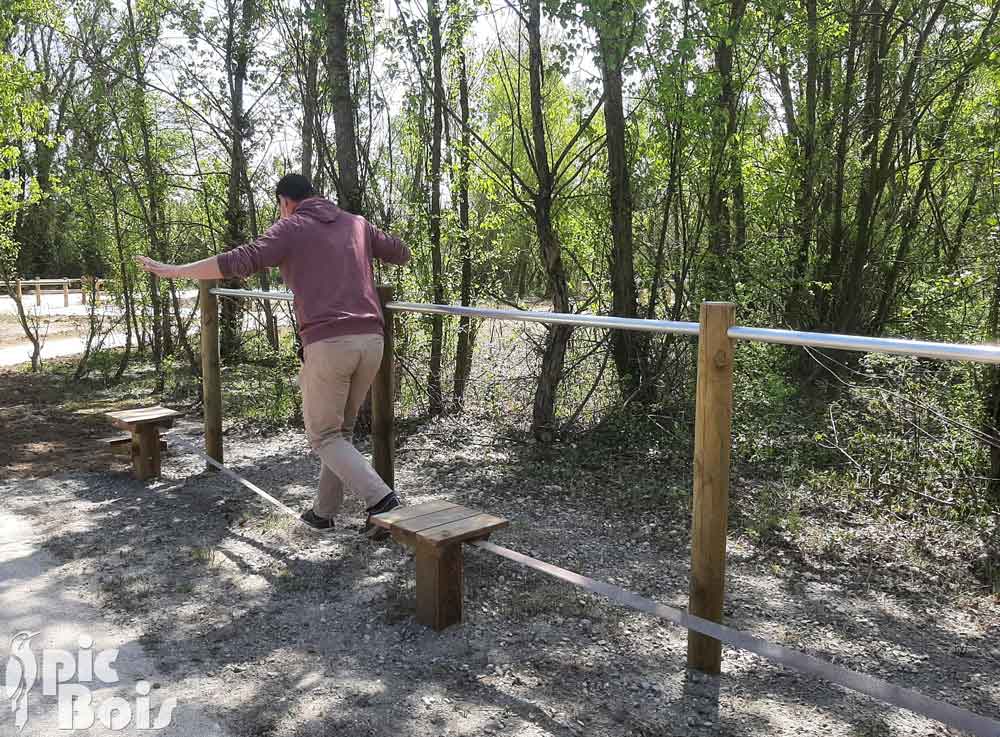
x=325 y=257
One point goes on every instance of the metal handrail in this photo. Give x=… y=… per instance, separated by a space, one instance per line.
x=552 y=318
x=898 y=346
x=925 y=349
x=253 y=294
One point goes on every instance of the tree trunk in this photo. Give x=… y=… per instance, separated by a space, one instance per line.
x=805 y=134
x=152 y=206
x=726 y=179
x=991 y=406
x=309 y=103
x=434 y=398
x=543 y=423
x=123 y=268
x=238 y=48
x=339 y=78
x=878 y=157
x=463 y=356
x=829 y=266
x=270 y=321
x=628 y=348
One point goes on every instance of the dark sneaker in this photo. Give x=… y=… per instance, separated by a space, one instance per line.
x=389 y=502
x=320 y=524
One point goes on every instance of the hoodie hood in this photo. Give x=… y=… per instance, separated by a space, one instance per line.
x=319 y=208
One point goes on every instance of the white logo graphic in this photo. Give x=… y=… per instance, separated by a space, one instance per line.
x=21 y=673
x=75 y=702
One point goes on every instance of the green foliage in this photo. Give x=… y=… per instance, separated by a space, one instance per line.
x=132 y=106
x=774 y=515
x=259 y=389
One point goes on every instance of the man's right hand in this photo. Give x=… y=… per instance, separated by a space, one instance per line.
x=165 y=271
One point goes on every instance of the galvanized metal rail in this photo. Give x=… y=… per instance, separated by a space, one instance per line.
x=925 y=349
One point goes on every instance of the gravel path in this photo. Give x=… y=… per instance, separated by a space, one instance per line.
x=36 y=597
x=290 y=633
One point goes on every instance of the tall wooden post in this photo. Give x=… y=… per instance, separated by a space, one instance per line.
x=65 y=292
x=38 y=292
x=710 y=513
x=211 y=377
x=383 y=395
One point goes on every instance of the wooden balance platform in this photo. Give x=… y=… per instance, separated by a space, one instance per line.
x=436 y=532
x=145 y=424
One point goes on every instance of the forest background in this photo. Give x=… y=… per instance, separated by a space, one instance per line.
x=826 y=165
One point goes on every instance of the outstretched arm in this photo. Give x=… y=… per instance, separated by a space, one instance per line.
x=388 y=248
x=207 y=268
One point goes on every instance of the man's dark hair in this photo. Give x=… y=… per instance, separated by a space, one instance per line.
x=295 y=187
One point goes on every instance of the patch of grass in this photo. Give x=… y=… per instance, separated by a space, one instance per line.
x=275 y=522
x=205 y=556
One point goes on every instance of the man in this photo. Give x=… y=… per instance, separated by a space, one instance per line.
x=325 y=257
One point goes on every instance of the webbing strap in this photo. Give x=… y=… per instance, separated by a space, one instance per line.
x=884 y=691
x=239 y=479
x=889 y=693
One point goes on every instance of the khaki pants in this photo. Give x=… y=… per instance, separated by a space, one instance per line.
x=335 y=379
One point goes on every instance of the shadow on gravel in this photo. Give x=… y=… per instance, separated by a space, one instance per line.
x=310 y=636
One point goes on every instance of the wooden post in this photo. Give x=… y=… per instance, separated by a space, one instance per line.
x=710 y=513
x=97 y=290
x=439 y=585
x=83 y=289
x=211 y=378
x=65 y=292
x=38 y=292
x=383 y=395
x=146 y=452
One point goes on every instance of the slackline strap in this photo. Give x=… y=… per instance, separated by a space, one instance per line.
x=905 y=698
x=240 y=480
x=884 y=691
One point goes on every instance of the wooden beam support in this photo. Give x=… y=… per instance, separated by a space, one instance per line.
x=146 y=452
x=383 y=397
x=439 y=585
x=211 y=372
x=710 y=512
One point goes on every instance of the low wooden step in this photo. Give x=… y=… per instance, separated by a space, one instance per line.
x=436 y=532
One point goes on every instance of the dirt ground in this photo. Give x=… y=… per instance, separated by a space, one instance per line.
x=47 y=430
x=278 y=631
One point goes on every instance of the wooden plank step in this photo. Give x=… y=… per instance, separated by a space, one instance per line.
x=132 y=419
x=438 y=523
x=436 y=531
x=426 y=521
x=399 y=514
x=470 y=528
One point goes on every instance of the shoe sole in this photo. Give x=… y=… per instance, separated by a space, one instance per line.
x=319 y=530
